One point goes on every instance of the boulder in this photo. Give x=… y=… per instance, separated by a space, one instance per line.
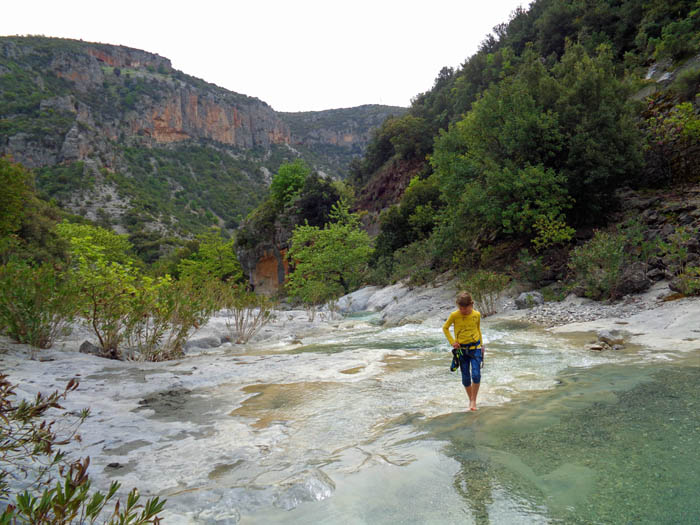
x=611 y=337
x=357 y=301
x=88 y=348
x=203 y=343
x=528 y=300
x=633 y=279
x=655 y=274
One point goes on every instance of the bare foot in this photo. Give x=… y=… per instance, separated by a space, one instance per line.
x=473 y=407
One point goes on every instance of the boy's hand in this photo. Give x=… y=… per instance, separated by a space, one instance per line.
x=455 y=345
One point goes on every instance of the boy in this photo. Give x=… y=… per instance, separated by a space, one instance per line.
x=466 y=343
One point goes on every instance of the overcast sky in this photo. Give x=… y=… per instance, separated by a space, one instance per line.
x=295 y=55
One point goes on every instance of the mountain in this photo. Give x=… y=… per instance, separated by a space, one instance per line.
x=119 y=136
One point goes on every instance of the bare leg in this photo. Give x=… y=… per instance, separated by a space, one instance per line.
x=469 y=394
x=472 y=397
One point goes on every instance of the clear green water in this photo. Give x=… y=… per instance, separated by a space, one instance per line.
x=614 y=443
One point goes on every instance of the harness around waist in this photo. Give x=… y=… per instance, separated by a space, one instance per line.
x=470 y=346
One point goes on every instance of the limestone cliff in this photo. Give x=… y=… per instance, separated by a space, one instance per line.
x=118 y=135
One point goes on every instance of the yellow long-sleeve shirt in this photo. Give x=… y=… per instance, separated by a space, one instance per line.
x=467 y=328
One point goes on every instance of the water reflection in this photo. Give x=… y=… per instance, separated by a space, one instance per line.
x=618 y=445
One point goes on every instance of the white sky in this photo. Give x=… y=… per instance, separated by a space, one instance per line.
x=295 y=55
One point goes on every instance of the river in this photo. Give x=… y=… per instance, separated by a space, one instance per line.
x=363 y=424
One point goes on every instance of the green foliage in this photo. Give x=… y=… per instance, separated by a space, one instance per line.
x=687 y=84
x=315 y=199
x=410 y=136
x=288 y=181
x=412 y=220
x=688 y=281
x=112 y=246
x=182 y=184
x=598 y=264
x=529 y=267
x=15 y=191
x=107 y=289
x=36 y=303
x=28 y=451
x=674 y=134
x=638 y=246
x=550 y=232
x=163 y=314
x=601 y=142
x=215 y=259
x=484 y=286
x=246 y=312
x=328 y=262
x=61 y=180
x=415 y=263
x=679 y=38
x=676 y=248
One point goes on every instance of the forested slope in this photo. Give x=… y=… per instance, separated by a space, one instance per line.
x=529 y=140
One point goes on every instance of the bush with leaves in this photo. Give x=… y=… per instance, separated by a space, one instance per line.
x=15 y=190
x=415 y=263
x=598 y=264
x=676 y=248
x=288 y=181
x=37 y=303
x=54 y=491
x=107 y=279
x=330 y=261
x=484 y=286
x=215 y=259
x=163 y=314
x=688 y=282
x=107 y=289
x=530 y=267
x=246 y=312
x=672 y=139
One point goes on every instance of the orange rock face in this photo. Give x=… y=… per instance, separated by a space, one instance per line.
x=189 y=115
x=265 y=274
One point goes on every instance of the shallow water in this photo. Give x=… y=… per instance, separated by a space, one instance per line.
x=562 y=436
x=367 y=425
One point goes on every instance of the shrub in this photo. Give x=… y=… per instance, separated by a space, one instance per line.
x=177 y=310
x=637 y=245
x=597 y=265
x=328 y=262
x=686 y=85
x=551 y=231
x=484 y=286
x=149 y=317
x=36 y=303
x=107 y=290
x=246 y=312
x=28 y=453
x=415 y=263
x=530 y=267
x=676 y=249
x=688 y=282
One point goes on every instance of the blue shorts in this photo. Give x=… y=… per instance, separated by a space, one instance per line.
x=470 y=365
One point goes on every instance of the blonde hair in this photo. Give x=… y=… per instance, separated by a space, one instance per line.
x=465 y=299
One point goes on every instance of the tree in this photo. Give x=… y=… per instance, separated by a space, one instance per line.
x=15 y=190
x=328 y=261
x=215 y=259
x=288 y=181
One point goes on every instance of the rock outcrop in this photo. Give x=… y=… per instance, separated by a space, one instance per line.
x=143 y=130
